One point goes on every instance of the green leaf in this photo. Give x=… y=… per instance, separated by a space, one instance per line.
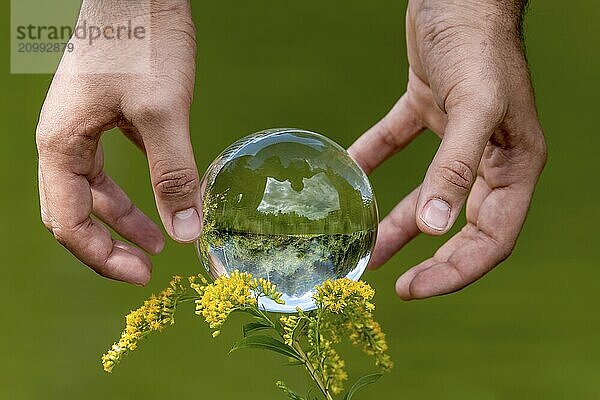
x=267 y=343
x=288 y=392
x=293 y=363
x=362 y=382
x=252 y=327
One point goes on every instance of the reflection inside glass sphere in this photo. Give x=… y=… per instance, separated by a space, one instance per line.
x=290 y=206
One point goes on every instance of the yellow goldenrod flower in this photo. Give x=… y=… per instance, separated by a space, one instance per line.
x=351 y=309
x=344 y=310
x=156 y=313
x=219 y=299
x=326 y=359
x=335 y=295
x=289 y=324
x=367 y=335
x=229 y=293
x=263 y=287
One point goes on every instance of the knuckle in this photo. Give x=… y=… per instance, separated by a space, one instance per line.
x=388 y=136
x=120 y=217
x=156 y=108
x=148 y=110
x=481 y=103
x=60 y=235
x=46 y=220
x=489 y=104
x=64 y=235
x=532 y=151
x=504 y=246
x=175 y=184
x=99 y=180
x=540 y=149
x=47 y=223
x=400 y=230
x=42 y=140
x=49 y=139
x=72 y=139
x=458 y=174
x=102 y=269
x=505 y=249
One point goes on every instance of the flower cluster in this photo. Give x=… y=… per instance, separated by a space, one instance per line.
x=229 y=293
x=223 y=296
x=351 y=309
x=289 y=324
x=344 y=310
x=368 y=335
x=337 y=295
x=156 y=313
x=262 y=287
x=334 y=368
x=324 y=357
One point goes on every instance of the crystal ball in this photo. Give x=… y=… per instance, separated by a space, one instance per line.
x=290 y=206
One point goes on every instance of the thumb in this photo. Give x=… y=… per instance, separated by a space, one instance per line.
x=454 y=168
x=174 y=177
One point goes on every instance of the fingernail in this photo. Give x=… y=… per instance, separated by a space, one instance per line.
x=186 y=225
x=436 y=214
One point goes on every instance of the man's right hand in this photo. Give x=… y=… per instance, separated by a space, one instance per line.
x=469 y=83
x=152 y=109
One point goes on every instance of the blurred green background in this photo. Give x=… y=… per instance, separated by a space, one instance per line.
x=529 y=330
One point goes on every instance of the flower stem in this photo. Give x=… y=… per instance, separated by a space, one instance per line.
x=312 y=372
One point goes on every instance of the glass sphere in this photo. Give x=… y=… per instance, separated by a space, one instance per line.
x=290 y=206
